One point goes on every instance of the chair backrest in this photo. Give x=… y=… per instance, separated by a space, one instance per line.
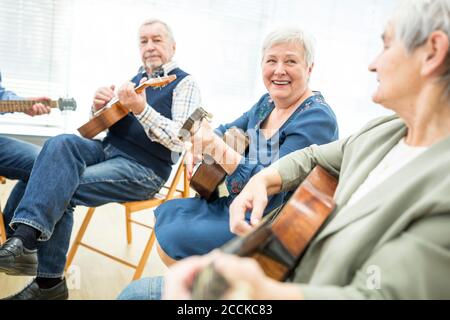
x=176 y=180
x=170 y=191
x=167 y=192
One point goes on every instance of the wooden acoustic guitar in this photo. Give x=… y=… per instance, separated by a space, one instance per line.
x=7 y=106
x=209 y=174
x=282 y=237
x=114 y=111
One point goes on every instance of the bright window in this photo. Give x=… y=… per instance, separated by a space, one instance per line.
x=69 y=48
x=35 y=58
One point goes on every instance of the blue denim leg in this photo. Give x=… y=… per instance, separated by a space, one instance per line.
x=16 y=162
x=13 y=201
x=54 y=179
x=95 y=179
x=114 y=180
x=17 y=158
x=143 y=289
x=52 y=254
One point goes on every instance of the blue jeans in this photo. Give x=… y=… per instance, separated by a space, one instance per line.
x=16 y=158
x=16 y=161
x=71 y=171
x=143 y=289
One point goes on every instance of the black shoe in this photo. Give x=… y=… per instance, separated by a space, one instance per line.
x=33 y=292
x=16 y=260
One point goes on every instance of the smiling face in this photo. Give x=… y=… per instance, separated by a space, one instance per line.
x=398 y=73
x=285 y=73
x=156 y=47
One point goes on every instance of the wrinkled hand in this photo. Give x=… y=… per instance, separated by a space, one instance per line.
x=131 y=100
x=248 y=281
x=180 y=277
x=102 y=97
x=38 y=108
x=245 y=277
x=252 y=197
x=190 y=161
x=203 y=139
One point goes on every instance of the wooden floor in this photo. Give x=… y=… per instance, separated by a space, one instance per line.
x=95 y=276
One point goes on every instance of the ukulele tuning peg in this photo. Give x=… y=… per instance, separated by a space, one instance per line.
x=203 y=114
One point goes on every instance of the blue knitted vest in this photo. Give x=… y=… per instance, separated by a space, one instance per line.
x=129 y=136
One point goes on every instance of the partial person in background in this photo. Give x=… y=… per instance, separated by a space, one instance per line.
x=289 y=117
x=16 y=156
x=132 y=163
x=389 y=237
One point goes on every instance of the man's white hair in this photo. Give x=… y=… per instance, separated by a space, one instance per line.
x=151 y=21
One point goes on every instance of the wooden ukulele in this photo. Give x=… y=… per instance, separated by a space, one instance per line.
x=209 y=174
x=7 y=106
x=114 y=111
x=282 y=237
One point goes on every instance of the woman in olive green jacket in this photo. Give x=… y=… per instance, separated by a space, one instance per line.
x=390 y=235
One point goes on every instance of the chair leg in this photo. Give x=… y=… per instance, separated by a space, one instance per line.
x=143 y=261
x=2 y=229
x=128 y=224
x=79 y=237
x=185 y=185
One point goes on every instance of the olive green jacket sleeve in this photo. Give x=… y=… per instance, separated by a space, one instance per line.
x=394 y=243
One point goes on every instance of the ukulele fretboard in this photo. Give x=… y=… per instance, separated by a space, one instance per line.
x=23 y=105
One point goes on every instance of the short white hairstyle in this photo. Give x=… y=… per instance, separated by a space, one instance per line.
x=291 y=35
x=165 y=25
x=415 y=20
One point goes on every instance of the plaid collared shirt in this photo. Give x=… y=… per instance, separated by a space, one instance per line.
x=186 y=98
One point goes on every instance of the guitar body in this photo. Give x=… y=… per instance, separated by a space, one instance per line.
x=103 y=120
x=279 y=242
x=207 y=178
x=297 y=224
x=210 y=174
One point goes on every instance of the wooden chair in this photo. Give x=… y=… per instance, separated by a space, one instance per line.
x=164 y=195
x=2 y=221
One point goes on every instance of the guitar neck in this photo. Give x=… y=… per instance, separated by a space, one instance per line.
x=198 y=115
x=279 y=241
x=7 y=106
x=155 y=82
x=210 y=284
